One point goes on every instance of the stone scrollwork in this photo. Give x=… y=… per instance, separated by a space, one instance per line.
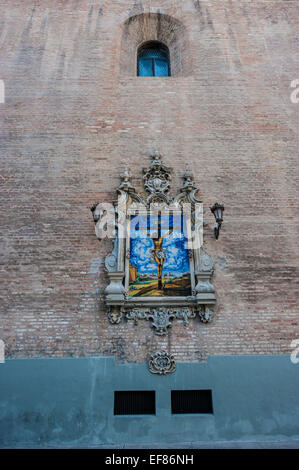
x=161 y=363
x=161 y=317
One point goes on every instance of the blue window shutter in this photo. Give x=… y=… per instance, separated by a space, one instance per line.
x=161 y=68
x=145 y=68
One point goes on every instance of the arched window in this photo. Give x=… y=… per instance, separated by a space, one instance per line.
x=153 y=60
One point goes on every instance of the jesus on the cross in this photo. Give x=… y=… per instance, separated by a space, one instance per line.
x=158 y=253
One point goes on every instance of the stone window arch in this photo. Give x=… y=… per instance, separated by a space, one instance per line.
x=160 y=28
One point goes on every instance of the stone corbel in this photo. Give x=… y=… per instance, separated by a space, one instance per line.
x=205 y=314
x=115 y=314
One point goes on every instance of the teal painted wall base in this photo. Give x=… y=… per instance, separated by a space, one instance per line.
x=69 y=402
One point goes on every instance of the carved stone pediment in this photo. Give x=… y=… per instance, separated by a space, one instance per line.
x=157 y=180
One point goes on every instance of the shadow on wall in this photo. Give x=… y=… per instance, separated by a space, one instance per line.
x=155 y=27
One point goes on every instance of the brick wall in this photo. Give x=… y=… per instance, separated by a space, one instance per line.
x=71 y=120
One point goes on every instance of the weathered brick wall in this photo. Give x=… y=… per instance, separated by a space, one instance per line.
x=71 y=119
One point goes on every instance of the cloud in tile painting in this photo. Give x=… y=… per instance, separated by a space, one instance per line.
x=176 y=262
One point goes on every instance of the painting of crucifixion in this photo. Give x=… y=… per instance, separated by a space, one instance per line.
x=159 y=259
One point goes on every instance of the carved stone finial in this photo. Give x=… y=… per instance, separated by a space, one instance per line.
x=156 y=155
x=188 y=173
x=161 y=363
x=188 y=177
x=126 y=184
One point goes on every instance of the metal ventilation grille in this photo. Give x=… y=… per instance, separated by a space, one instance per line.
x=191 y=401
x=134 y=403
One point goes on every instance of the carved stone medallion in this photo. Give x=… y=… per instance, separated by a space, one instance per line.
x=161 y=363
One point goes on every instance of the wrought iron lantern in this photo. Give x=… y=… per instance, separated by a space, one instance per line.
x=217 y=210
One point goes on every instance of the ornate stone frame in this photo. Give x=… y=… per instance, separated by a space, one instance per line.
x=161 y=311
